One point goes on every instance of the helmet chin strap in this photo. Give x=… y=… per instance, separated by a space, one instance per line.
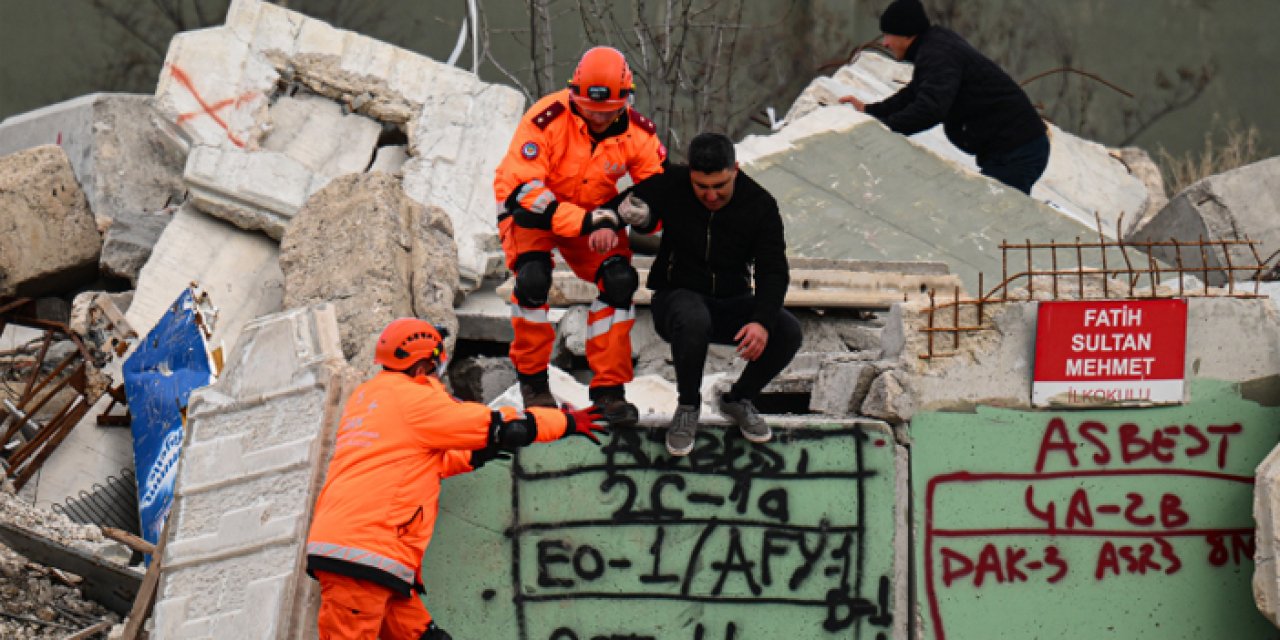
x=423 y=373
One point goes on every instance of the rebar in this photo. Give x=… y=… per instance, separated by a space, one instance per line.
x=1132 y=272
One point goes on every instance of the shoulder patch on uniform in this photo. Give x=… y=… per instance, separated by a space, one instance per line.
x=544 y=117
x=642 y=122
x=529 y=150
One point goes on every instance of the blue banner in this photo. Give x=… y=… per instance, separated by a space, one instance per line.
x=159 y=377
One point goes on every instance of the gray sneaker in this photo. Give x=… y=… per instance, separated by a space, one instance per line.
x=684 y=426
x=745 y=415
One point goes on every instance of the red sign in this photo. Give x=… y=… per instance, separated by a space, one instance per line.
x=1110 y=352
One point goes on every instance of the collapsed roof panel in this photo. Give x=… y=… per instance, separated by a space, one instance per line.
x=1082 y=178
x=850 y=188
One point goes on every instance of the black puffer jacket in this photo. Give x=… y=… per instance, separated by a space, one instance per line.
x=717 y=253
x=982 y=109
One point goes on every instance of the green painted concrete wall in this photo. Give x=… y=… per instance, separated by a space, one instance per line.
x=793 y=539
x=1128 y=524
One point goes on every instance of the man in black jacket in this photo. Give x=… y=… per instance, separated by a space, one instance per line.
x=983 y=111
x=720 y=231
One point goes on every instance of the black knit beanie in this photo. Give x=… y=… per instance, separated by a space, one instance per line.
x=904 y=18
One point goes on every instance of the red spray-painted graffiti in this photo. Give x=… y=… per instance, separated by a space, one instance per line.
x=1090 y=482
x=206 y=109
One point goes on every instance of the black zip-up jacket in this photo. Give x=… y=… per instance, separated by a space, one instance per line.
x=982 y=109
x=716 y=252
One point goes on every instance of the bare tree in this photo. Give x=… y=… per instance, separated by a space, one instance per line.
x=146 y=28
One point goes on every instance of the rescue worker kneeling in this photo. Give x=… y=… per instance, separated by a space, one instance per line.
x=400 y=435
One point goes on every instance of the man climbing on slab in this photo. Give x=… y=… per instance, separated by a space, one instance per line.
x=721 y=231
x=400 y=435
x=983 y=111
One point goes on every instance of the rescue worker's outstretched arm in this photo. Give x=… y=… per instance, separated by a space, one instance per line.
x=511 y=429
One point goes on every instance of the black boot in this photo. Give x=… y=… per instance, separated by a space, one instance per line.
x=535 y=389
x=614 y=406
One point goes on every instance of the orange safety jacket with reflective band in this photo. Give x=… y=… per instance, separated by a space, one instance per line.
x=397 y=440
x=554 y=168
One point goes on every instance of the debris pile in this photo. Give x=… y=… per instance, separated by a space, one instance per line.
x=316 y=183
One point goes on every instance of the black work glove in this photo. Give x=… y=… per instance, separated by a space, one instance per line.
x=481 y=456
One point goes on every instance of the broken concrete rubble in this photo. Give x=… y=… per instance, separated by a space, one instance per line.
x=1082 y=177
x=48 y=239
x=373 y=252
x=841 y=385
x=457 y=126
x=1237 y=205
x=481 y=379
x=129 y=169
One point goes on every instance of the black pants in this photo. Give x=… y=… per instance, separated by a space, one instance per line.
x=691 y=321
x=1019 y=168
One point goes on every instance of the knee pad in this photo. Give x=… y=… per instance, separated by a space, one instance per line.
x=618 y=281
x=533 y=279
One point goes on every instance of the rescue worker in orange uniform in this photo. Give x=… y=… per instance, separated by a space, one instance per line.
x=400 y=435
x=565 y=159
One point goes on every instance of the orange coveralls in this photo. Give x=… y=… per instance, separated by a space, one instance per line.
x=555 y=169
x=399 y=437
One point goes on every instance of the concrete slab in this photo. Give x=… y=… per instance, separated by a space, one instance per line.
x=253 y=190
x=252 y=467
x=1266 y=495
x=238 y=269
x=315 y=132
x=48 y=239
x=1083 y=177
x=825 y=504
x=1237 y=205
x=129 y=170
x=456 y=143
x=857 y=189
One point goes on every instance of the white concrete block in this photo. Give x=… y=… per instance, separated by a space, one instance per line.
x=276 y=30
x=317 y=38
x=213 y=90
x=260 y=437
x=390 y=159
x=238 y=269
x=253 y=190
x=314 y=131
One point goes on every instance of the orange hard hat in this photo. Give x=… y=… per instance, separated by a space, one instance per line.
x=406 y=341
x=602 y=81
